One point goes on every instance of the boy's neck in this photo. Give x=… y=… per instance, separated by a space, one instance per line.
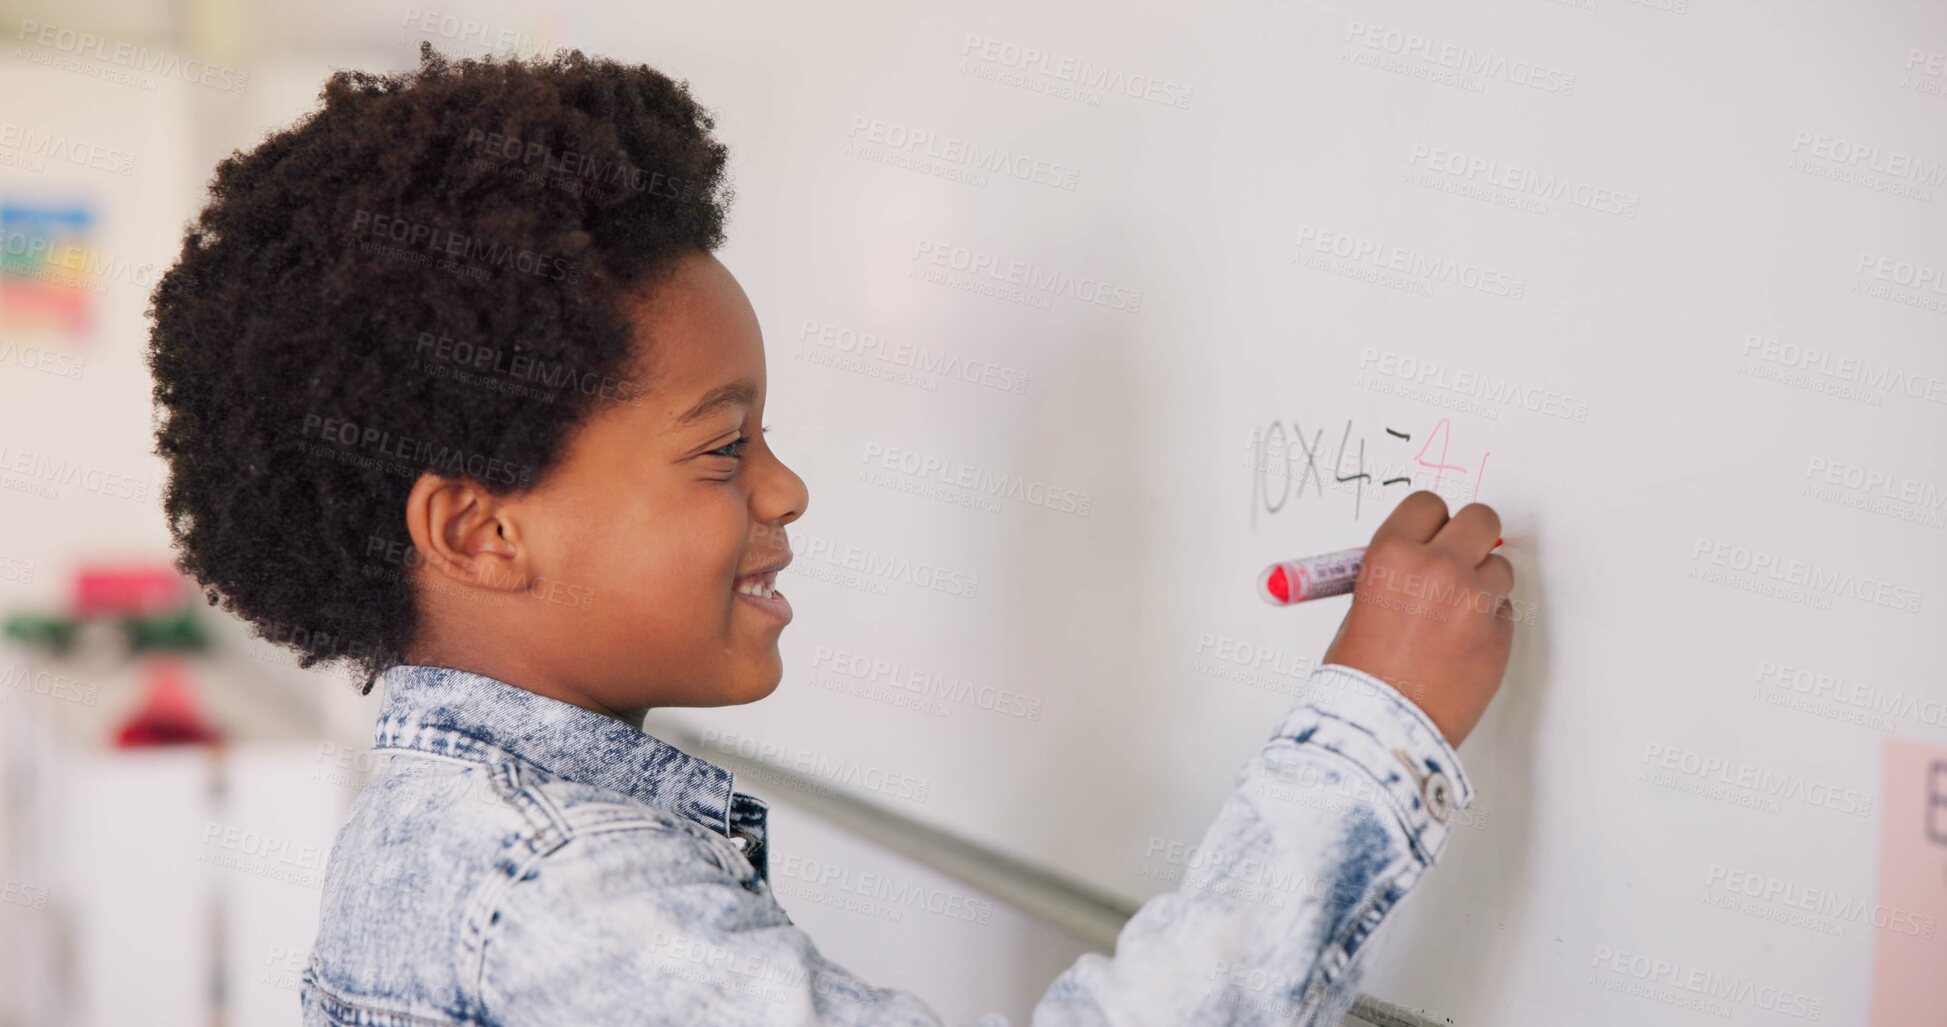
x=523 y=674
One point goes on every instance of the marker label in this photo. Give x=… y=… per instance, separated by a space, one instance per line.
x=1311 y=577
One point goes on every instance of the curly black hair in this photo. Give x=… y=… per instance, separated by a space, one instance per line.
x=429 y=272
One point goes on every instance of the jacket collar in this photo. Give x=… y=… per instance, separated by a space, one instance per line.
x=462 y=714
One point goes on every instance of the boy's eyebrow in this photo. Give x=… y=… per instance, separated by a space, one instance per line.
x=742 y=391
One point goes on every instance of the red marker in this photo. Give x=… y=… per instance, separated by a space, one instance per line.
x=1314 y=577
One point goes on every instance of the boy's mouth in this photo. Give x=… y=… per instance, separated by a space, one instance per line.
x=761 y=581
x=764 y=584
x=760 y=588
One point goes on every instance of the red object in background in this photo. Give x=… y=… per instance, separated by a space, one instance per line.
x=140 y=590
x=169 y=714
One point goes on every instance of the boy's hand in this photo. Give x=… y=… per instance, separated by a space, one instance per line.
x=1430 y=615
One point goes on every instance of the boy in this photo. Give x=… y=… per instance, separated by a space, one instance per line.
x=454 y=391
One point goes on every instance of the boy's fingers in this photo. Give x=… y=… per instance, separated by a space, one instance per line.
x=1417 y=518
x=1471 y=533
x=1496 y=575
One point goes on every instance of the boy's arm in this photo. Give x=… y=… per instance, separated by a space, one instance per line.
x=1329 y=826
x=1340 y=814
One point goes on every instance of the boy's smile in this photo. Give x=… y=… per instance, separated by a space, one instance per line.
x=665 y=511
x=760 y=587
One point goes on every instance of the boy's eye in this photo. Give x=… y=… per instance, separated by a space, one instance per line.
x=741 y=441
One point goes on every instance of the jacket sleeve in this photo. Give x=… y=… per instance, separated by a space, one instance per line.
x=1326 y=829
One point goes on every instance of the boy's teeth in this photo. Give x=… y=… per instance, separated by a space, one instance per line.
x=756 y=588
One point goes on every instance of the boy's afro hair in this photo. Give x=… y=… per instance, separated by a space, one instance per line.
x=427 y=273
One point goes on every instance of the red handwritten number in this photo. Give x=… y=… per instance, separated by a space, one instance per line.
x=1481 y=477
x=1440 y=431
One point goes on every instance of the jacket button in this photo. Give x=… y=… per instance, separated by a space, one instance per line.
x=1438 y=792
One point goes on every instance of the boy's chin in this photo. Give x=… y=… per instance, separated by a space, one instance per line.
x=753 y=687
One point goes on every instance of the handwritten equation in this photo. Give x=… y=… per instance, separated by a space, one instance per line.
x=1299 y=457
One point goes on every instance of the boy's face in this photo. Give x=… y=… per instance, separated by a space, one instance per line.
x=636 y=543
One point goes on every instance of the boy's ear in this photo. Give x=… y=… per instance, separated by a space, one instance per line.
x=466 y=533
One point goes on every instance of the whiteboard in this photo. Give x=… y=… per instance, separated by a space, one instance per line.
x=1076 y=314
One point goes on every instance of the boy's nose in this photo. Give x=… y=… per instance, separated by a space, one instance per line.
x=782 y=497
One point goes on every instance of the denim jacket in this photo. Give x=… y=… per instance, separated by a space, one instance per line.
x=524 y=862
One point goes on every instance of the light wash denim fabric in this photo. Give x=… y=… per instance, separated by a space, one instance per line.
x=522 y=862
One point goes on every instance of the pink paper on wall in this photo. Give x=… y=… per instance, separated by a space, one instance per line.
x=1910 y=954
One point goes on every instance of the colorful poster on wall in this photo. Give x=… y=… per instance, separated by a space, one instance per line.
x=47 y=282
